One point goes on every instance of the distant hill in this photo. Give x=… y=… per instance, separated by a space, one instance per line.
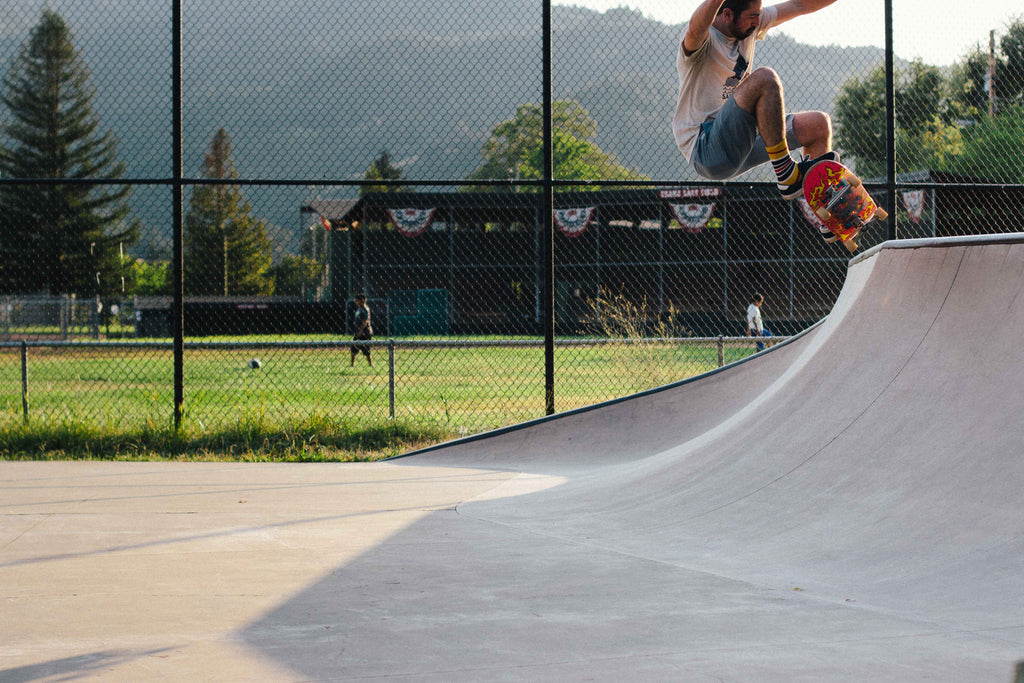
x=315 y=90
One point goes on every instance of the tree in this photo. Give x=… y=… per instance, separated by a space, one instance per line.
x=968 y=97
x=574 y=159
x=515 y=147
x=994 y=147
x=1010 y=67
x=860 y=121
x=382 y=169
x=151 y=279
x=227 y=251
x=925 y=135
x=970 y=88
x=297 y=276
x=59 y=238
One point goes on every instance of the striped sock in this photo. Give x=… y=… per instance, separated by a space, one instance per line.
x=782 y=162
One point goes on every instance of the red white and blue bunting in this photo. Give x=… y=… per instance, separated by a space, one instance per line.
x=574 y=222
x=411 y=222
x=914 y=199
x=692 y=217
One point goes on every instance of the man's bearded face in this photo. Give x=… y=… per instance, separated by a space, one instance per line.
x=746 y=22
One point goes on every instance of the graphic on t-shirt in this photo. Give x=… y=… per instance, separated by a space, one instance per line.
x=738 y=72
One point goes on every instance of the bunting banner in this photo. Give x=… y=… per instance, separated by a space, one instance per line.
x=411 y=222
x=692 y=217
x=914 y=199
x=574 y=222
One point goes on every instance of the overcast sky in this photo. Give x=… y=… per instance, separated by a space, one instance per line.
x=939 y=31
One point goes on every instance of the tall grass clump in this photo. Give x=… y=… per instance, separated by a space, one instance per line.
x=643 y=353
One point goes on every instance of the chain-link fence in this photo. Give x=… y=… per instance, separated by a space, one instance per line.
x=208 y=272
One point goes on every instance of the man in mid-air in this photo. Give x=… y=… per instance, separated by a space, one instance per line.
x=730 y=119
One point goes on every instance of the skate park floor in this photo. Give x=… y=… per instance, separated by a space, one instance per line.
x=843 y=507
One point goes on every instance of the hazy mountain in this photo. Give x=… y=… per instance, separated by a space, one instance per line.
x=315 y=90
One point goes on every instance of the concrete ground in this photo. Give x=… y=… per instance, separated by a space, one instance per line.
x=844 y=507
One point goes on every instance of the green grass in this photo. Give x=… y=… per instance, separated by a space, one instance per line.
x=307 y=403
x=317 y=439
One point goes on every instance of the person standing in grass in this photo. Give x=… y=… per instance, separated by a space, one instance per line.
x=364 y=330
x=755 y=325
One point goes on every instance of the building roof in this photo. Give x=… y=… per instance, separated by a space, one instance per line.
x=331 y=209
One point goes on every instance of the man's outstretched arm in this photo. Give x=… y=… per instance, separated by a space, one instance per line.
x=796 y=8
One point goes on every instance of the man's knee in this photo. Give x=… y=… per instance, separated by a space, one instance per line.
x=762 y=84
x=813 y=127
x=766 y=79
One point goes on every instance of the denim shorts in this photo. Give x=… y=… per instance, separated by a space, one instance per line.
x=729 y=144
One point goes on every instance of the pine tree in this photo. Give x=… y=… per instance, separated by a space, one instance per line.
x=227 y=251
x=382 y=169
x=56 y=238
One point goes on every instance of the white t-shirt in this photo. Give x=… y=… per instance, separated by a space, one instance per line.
x=708 y=77
x=754 y=319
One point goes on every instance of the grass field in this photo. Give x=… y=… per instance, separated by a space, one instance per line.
x=309 y=403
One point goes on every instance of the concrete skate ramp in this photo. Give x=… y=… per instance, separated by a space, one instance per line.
x=849 y=506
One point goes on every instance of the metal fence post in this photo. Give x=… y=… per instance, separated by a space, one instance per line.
x=391 y=378
x=547 y=145
x=890 y=122
x=721 y=351
x=177 y=188
x=24 y=381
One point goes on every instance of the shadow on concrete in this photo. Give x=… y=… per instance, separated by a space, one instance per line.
x=74 y=668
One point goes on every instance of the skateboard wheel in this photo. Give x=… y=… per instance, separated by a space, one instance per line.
x=854 y=180
x=851 y=246
x=881 y=214
x=822 y=213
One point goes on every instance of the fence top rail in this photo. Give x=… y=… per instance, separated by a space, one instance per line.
x=396 y=343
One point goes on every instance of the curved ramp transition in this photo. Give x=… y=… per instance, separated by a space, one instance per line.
x=847 y=506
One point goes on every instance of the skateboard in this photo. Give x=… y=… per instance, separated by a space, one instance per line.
x=839 y=200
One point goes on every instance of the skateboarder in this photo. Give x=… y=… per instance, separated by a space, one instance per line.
x=730 y=119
